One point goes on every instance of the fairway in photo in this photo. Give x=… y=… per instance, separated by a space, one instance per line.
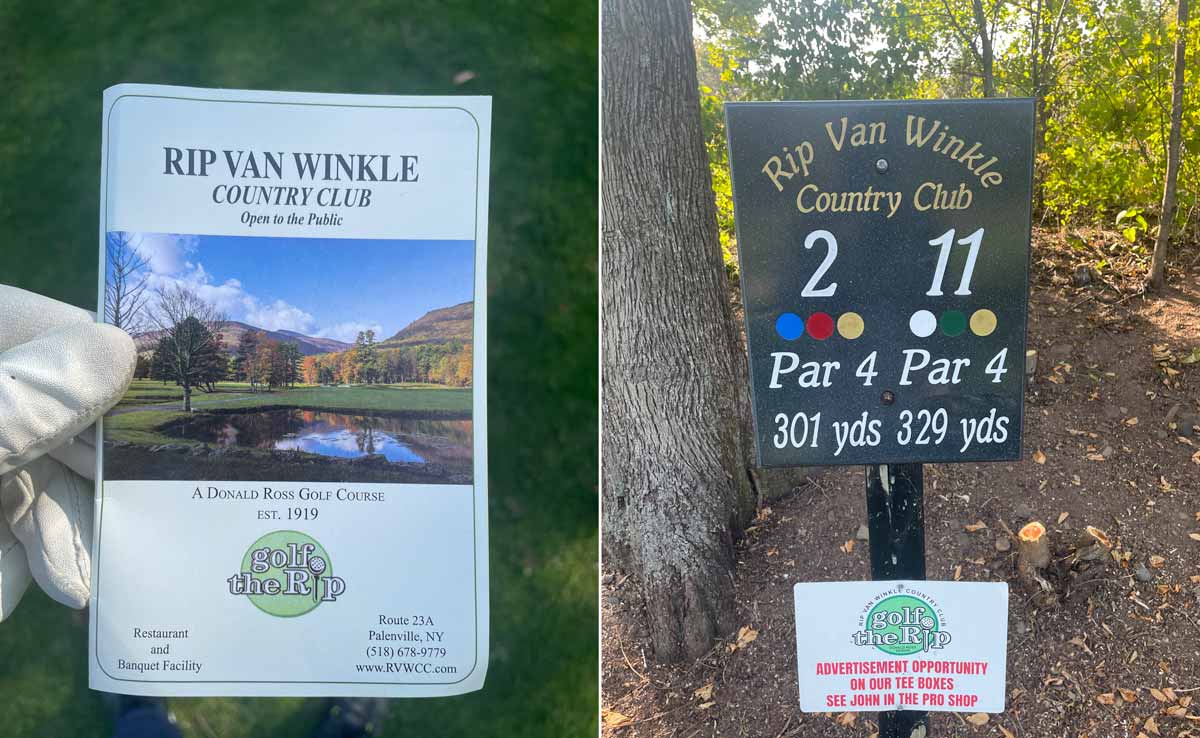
x=292 y=358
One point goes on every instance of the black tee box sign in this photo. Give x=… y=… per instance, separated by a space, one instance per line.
x=884 y=254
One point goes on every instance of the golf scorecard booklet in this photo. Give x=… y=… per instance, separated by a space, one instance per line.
x=292 y=495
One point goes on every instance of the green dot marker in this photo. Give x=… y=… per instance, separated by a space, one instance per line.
x=953 y=323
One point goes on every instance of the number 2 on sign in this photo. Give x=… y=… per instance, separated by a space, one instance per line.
x=811 y=289
x=946 y=241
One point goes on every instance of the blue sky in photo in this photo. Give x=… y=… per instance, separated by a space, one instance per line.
x=318 y=287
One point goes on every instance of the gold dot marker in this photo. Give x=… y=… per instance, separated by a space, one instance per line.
x=850 y=326
x=983 y=322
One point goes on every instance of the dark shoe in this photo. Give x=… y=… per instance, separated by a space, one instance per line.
x=140 y=717
x=356 y=717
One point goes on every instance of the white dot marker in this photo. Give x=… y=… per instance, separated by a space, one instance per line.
x=922 y=324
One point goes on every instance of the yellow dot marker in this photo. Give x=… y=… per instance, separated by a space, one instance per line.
x=983 y=322
x=850 y=325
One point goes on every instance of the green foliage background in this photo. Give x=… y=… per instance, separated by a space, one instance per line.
x=538 y=60
x=1101 y=71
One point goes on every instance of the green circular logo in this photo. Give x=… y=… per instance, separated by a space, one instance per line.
x=297 y=563
x=903 y=623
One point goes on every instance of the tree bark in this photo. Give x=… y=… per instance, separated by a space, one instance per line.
x=1158 y=263
x=676 y=483
x=986 y=60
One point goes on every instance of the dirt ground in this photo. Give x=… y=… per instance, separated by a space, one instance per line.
x=1117 y=381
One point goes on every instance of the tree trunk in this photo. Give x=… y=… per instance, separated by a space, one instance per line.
x=985 y=48
x=676 y=463
x=1158 y=264
x=187 y=398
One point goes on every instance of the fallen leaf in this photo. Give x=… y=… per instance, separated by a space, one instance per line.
x=977 y=526
x=613 y=719
x=958 y=573
x=706 y=705
x=745 y=635
x=1079 y=641
x=1039 y=457
x=847 y=718
x=978 y=719
x=1194 y=536
x=1062 y=517
x=1170 y=694
x=848 y=546
x=1196 y=458
x=1006 y=732
x=1127 y=694
x=1108 y=698
x=1157 y=561
x=1157 y=694
x=705 y=692
x=1131 y=421
x=1151 y=725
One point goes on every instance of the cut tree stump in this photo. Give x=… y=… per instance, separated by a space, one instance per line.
x=1088 y=563
x=1033 y=556
x=1033 y=552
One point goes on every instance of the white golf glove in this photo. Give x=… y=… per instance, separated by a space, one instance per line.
x=59 y=372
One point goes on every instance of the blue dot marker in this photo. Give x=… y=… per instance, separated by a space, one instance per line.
x=789 y=326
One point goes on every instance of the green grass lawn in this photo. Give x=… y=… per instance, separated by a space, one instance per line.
x=141 y=427
x=538 y=60
x=373 y=397
x=151 y=391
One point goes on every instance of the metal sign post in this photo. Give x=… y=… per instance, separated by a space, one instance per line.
x=896 y=524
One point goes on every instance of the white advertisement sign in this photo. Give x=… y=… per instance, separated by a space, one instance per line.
x=901 y=645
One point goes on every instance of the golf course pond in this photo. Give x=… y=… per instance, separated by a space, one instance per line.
x=399 y=439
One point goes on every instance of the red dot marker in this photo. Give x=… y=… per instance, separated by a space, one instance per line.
x=819 y=326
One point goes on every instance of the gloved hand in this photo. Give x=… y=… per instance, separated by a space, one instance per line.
x=59 y=372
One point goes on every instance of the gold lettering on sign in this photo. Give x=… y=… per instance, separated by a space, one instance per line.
x=955 y=148
x=933 y=196
x=810 y=199
x=794 y=161
x=861 y=134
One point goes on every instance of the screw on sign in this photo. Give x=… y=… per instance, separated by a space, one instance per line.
x=884 y=251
